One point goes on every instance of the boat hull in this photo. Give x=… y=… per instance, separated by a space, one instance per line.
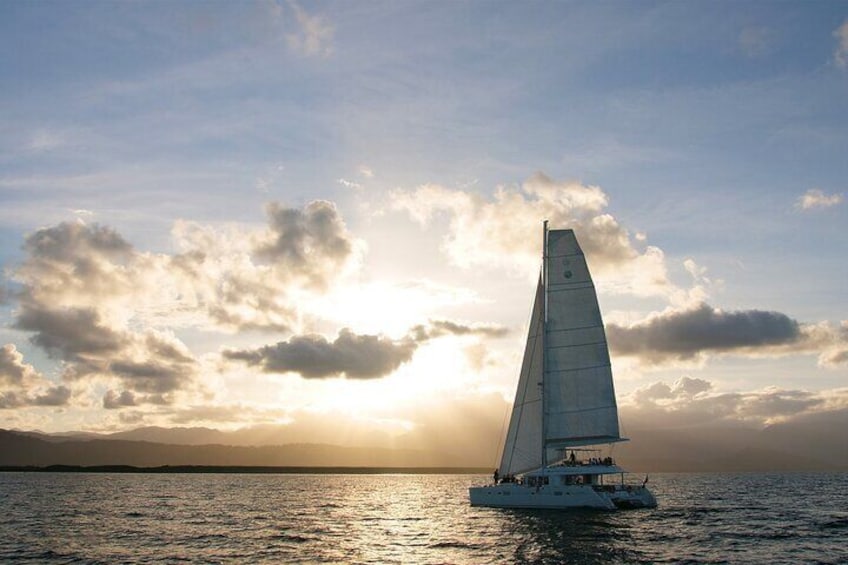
x=513 y=495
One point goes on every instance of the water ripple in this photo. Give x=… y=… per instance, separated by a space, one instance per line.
x=135 y=519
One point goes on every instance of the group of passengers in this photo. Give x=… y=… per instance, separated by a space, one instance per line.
x=572 y=461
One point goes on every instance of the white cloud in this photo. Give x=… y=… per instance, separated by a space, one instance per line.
x=691 y=401
x=349 y=183
x=840 y=55
x=314 y=37
x=816 y=198
x=504 y=231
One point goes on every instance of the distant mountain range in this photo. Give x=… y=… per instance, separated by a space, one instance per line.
x=40 y=450
x=813 y=443
x=797 y=446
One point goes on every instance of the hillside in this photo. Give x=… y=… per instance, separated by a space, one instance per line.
x=813 y=443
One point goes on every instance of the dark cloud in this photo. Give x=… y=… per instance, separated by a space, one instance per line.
x=112 y=400
x=71 y=332
x=147 y=362
x=312 y=243
x=684 y=387
x=686 y=334
x=246 y=304
x=11 y=399
x=76 y=242
x=439 y=328
x=155 y=375
x=351 y=355
x=73 y=273
x=54 y=396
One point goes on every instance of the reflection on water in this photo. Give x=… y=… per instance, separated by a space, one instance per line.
x=228 y=518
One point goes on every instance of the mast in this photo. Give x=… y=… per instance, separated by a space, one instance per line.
x=544 y=338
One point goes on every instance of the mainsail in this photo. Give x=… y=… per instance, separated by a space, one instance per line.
x=565 y=395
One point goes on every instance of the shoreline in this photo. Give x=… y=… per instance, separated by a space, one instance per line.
x=246 y=469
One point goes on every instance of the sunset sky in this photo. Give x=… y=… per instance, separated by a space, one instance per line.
x=329 y=214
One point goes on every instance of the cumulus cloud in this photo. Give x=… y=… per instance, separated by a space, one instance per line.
x=113 y=400
x=147 y=361
x=312 y=243
x=835 y=344
x=21 y=385
x=840 y=55
x=313 y=356
x=815 y=198
x=352 y=355
x=690 y=401
x=107 y=311
x=505 y=231
x=53 y=396
x=13 y=370
x=688 y=334
x=693 y=334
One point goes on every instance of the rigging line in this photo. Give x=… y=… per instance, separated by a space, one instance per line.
x=502 y=437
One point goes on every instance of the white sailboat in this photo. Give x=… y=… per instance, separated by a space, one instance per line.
x=565 y=403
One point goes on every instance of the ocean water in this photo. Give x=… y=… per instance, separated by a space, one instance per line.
x=241 y=518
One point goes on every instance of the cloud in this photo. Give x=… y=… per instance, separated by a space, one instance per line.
x=687 y=334
x=835 y=345
x=691 y=401
x=352 y=355
x=692 y=334
x=439 y=328
x=82 y=290
x=840 y=55
x=312 y=356
x=505 y=231
x=13 y=370
x=349 y=184
x=77 y=243
x=113 y=400
x=815 y=198
x=312 y=243
x=70 y=334
x=21 y=385
x=313 y=37
x=54 y=396
x=108 y=312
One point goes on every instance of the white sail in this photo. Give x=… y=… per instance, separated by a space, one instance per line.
x=580 y=407
x=523 y=446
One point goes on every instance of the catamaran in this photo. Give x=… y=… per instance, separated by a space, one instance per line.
x=565 y=406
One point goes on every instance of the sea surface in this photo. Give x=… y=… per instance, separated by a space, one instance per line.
x=246 y=518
